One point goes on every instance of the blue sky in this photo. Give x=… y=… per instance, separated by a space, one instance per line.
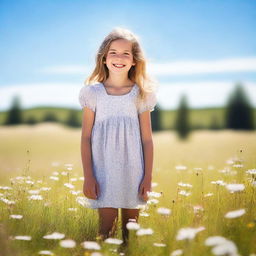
x=201 y=48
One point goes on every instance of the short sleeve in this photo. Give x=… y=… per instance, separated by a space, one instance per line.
x=87 y=97
x=148 y=103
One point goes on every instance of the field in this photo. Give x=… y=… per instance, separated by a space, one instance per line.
x=41 y=181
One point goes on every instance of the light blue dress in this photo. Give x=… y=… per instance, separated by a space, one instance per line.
x=117 y=153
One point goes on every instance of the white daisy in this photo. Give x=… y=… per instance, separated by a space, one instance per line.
x=235 y=187
x=13 y=216
x=68 y=243
x=27 y=238
x=188 y=233
x=144 y=231
x=235 y=214
x=181 y=167
x=132 y=226
x=45 y=252
x=159 y=244
x=177 y=252
x=91 y=245
x=111 y=240
x=54 y=235
x=164 y=211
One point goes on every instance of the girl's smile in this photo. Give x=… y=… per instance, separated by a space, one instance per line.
x=119 y=56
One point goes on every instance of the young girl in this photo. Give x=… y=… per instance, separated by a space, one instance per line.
x=116 y=141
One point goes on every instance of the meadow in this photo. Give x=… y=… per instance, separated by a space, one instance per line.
x=202 y=201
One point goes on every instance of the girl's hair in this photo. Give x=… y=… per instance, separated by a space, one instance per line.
x=137 y=73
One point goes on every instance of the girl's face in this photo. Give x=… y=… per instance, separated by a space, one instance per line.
x=119 y=57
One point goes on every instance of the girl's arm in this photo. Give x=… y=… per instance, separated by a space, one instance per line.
x=86 y=153
x=147 y=143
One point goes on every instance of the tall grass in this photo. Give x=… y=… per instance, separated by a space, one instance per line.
x=210 y=161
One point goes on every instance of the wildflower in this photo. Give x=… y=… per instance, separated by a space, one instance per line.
x=214 y=240
x=44 y=252
x=72 y=209
x=209 y=194
x=69 y=185
x=235 y=214
x=54 y=235
x=152 y=201
x=144 y=231
x=68 y=243
x=45 y=188
x=7 y=201
x=219 y=182
x=29 y=182
x=154 y=194
x=13 y=216
x=164 y=211
x=132 y=226
x=159 y=244
x=98 y=254
x=250 y=225
x=154 y=184
x=221 y=246
x=5 y=188
x=235 y=187
x=82 y=201
x=185 y=185
x=181 y=167
x=23 y=238
x=251 y=171
x=73 y=192
x=34 y=192
x=188 y=233
x=35 y=197
x=177 y=252
x=184 y=193
x=54 y=178
x=238 y=165
x=91 y=245
x=111 y=240
x=198 y=208
x=55 y=173
x=144 y=214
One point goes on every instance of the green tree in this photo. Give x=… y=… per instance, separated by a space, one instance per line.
x=182 y=119
x=156 y=118
x=14 y=114
x=239 y=112
x=50 y=117
x=73 y=119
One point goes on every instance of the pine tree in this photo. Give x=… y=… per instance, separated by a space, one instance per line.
x=14 y=115
x=182 y=120
x=239 y=112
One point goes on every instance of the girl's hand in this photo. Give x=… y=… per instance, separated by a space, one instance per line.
x=91 y=188
x=145 y=186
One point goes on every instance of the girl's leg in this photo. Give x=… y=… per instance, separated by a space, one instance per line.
x=126 y=215
x=108 y=218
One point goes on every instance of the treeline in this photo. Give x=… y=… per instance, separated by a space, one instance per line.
x=239 y=115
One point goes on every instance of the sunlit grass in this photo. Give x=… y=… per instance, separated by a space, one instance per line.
x=202 y=200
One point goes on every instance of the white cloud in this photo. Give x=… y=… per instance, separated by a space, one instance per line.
x=186 y=67
x=202 y=94
x=66 y=70
x=203 y=67
x=199 y=94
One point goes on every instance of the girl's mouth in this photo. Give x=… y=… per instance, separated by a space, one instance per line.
x=118 y=65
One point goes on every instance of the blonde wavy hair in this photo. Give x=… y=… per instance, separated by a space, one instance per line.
x=137 y=74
